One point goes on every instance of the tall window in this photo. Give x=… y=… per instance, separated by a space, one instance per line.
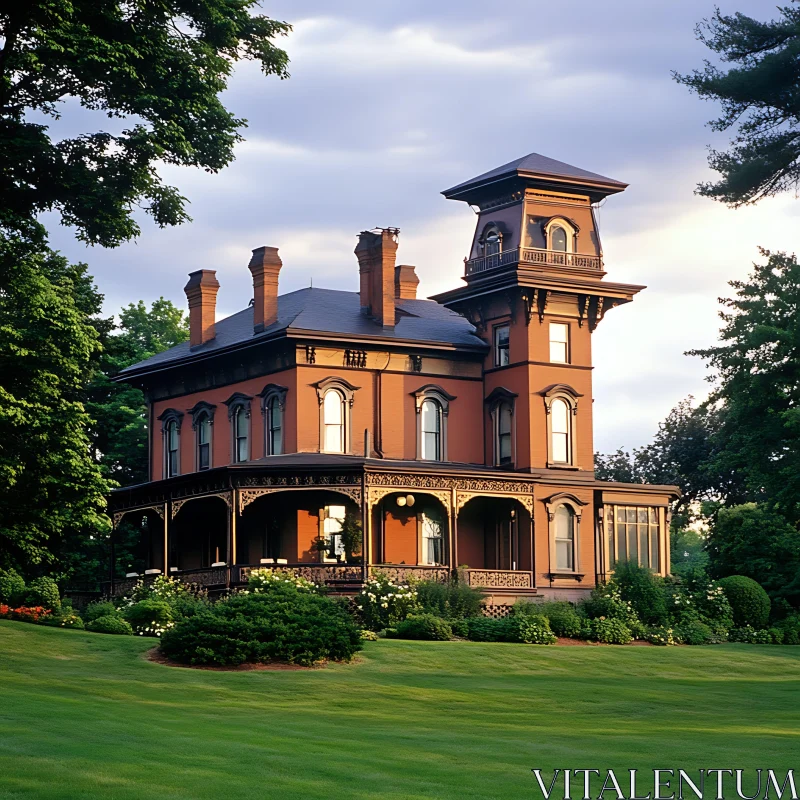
x=241 y=435
x=492 y=243
x=560 y=432
x=432 y=539
x=558 y=239
x=633 y=535
x=333 y=416
x=501 y=348
x=173 y=443
x=431 y=421
x=332 y=521
x=565 y=538
x=204 y=442
x=274 y=426
x=504 y=419
x=559 y=342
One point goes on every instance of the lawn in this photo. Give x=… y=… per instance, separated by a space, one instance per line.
x=87 y=716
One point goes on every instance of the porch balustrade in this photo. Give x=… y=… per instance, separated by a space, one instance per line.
x=533 y=255
x=499 y=578
x=403 y=573
x=316 y=573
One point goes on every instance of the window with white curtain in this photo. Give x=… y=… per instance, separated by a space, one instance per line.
x=333 y=421
x=565 y=538
x=431 y=421
x=432 y=539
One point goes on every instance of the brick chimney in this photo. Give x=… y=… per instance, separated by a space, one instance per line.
x=264 y=267
x=376 y=252
x=201 y=291
x=405 y=282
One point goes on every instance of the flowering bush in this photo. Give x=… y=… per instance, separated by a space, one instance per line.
x=382 y=603
x=749 y=635
x=606 y=602
x=185 y=601
x=643 y=589
x=262 y=580
x=112 y=625
x=710 y=601
x=33 y=614
x=610 y=631
x=661 y=635
x=100 y=608
x=528 y=629
x=369 y=636
x=150 y=617
x=562 y=616
x=44 y=592
x=695 y=633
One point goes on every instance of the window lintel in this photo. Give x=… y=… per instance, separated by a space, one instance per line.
x=273 y=390
x=434 y=392
x=342 y=385
x=498 y=395
x=199 y=409
x=170 y=415
x=236 y=400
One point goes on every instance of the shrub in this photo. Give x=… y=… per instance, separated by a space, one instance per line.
x=710 y=601
x=643 y=589
x=426 y=627
x=562 y=616
x=660 y=635
x=44 y=592
x=747 y=634
x=369 y=636
x=66 y=619
x=26 y=613
x=611 y=631
x=791 y=629
x=285 y=623
x=694 y=633
x=12 y=587
x=149 y=617
x=528 y=629
x=749 y=602
x=382 y=603
x=452 y=600
x=100 y=608
x=606 y=602
x=265 y=579
x=460 y=628
x=775 y=635
x=484 y=629
x=110 y=624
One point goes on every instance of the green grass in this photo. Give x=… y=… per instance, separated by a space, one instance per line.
x=86 y=716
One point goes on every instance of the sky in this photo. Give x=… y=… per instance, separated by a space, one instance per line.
x=389 y=103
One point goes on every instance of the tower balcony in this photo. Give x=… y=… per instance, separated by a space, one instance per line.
x=534 y=256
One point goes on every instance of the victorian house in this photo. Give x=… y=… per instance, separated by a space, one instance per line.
x=457 y=430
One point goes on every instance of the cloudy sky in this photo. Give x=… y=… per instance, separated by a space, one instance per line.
x=389 y=103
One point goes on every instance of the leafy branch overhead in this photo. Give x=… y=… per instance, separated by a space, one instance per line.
x=161 y=65
x=760 y=94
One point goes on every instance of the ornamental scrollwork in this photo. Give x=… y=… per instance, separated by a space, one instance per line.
x=117 y=516
x=177 y=505
x=499 y=579
x=462 y=498
x=247 y=496
x=376 y=493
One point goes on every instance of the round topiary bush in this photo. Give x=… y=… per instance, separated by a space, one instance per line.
x=285 y=624
x=611 y=631
x=749 y=602
x=149 y=617
x=44 y=592
x=425 y=627
x=114 y=625
x=12 y=587
x=100 y=608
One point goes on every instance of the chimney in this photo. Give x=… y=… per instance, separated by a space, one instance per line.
x=201 y=291
x=376 y=252
x=405 y=282
x=264 y=267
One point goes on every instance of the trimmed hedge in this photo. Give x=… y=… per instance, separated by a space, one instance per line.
x=113 y=625
x=100 y=608
x=425 y=627
x=750 y=603
x=451 y=600
x=12 y=587
x=528 y=629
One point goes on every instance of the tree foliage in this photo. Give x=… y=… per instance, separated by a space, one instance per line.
x=160 y=65
x=759 y=95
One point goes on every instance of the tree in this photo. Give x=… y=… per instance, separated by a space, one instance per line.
x=118 y=431
x=49 y=486
x=760 y=96
x=756 y=372
x=757 y=541
x=161 y=65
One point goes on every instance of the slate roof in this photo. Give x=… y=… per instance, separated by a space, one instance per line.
x=331 y=312
x=536 y=164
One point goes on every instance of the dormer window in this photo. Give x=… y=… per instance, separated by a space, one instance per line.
x=560 y=235
x=558 y=239
x=493 y=243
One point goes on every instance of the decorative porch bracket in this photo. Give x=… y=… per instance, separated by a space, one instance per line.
x=462 y=498
x=247 y=496
x=117 y=516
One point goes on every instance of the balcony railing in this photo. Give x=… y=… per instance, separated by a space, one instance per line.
x=499 y=578
x=402 y=573
x=316 y=573
x=533 y=255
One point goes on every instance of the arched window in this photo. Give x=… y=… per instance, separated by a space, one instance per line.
x=203 y=426
x=433 y=406
x=333 y=421
x=560 y=432
x=239 y=416
x=492 y=243
x=431 y=421
x=564 y=534
x=504 y=420
x=432 y=530
x=173 y=447
x=274 y=427
x=558 y=239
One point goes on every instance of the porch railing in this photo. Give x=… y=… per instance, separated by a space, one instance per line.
x=402 y=573
x=533 y=255
x=499 y=578
x=316 y=573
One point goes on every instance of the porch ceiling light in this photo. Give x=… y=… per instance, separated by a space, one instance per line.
x=410 y=500
x=401 y=501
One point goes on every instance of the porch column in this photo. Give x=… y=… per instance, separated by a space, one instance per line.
x=453 y=532
x=231 y=543
x=165 y=508
x=533 y=546
x=366 y=529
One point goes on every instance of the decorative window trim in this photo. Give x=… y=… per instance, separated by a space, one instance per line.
x=236 y=401
x=570 y=228
x=497 y=398
x=570 y=396
x=576 y=505
x=348 y=391
x=430 y=391
x=198 y=411
x=488 y=229
x=267 y=394
x=166 y=417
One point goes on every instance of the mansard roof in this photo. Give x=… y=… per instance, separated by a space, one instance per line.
x=536 y=167
x=327 y=313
